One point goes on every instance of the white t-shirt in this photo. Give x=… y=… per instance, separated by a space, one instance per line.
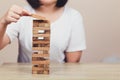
x=67 y=34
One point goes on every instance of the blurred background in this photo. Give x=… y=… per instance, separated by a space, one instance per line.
x=102 y=25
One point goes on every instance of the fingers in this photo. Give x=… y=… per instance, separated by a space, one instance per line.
x=13 y=19
x=14 y=14
x=10 y=19
x=20 y=11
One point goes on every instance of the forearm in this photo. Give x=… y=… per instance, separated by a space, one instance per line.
x=73 y=57
x=2 y=30
x=12 y=15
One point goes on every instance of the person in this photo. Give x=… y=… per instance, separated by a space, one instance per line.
x=67 y=40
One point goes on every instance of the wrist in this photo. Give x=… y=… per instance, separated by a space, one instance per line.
x=3 y=22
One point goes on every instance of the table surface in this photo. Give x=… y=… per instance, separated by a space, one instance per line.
x=61 y=71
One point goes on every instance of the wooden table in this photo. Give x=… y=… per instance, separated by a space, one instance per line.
x=14 y=71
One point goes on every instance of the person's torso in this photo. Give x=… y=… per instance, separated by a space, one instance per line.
x=59 y=38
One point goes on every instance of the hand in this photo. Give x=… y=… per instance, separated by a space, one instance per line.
x=14 y=14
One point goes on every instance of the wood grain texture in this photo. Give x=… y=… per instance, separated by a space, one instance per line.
x=37 y=16
x=41 y=45
x=59 y=71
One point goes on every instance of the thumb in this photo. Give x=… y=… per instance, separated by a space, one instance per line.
x=26 y=13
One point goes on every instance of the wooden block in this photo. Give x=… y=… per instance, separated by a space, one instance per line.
x=40 y=58
x=40 y=55
x=41 y=65
x=39 y=68
x=45 y=25
x=42 y=25
x=41 y=62
x=34 y=72
x=37 y=39
x=40 y=48
x=46 y=72
x=41 y=28
x=38 y=17
x=40 y=72
x=41 y=42
x=41 y=35
x=41 y=52
x=41 y=45
x=41 y=31
x=46 y=65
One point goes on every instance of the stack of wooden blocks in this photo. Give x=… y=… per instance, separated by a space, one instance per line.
x=41 y=45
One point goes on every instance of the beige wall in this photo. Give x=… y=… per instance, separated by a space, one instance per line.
x=101 y=20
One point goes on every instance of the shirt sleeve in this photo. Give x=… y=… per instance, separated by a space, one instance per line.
x=77 y=37
x=13 y=30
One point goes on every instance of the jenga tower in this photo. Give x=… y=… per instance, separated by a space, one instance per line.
x=41 y=45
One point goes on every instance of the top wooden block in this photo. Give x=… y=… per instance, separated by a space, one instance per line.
x=40 y=21
x=38 y=17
